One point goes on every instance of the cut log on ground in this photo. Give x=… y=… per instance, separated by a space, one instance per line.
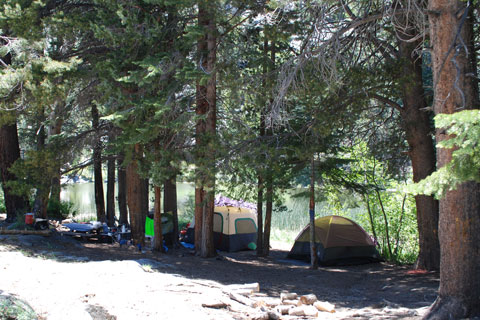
x=260 y=316
x=288 y=296
x=243 y=292
x=308 y=299
x=255 y=287
x=283 y=309
x=309 y=311
x=291 y=302
x=296 y=311
x=273 y=315
x=242 y=299
x=324 y=306
x=215 y=304
x=272 y=302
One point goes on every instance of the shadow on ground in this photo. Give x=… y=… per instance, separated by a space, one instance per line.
x=371 y=285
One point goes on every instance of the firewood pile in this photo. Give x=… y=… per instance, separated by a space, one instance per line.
x=259 y=306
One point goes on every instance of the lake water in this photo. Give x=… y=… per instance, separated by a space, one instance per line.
x=294 y=217
x=82 y=195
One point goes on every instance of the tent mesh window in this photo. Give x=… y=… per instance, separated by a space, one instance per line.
x=245 y=225
x=217 y=222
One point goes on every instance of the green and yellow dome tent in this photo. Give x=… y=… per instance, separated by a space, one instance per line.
x=339 y=241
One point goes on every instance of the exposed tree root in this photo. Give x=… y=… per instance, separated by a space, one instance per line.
x=448 y=308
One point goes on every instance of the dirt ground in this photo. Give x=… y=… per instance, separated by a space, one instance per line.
x=63 y=278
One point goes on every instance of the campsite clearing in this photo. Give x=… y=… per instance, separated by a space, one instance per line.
x=64 y=278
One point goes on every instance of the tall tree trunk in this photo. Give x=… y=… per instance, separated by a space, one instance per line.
x=122 y=191
x=170 y=205
x=97 y=167
x=56 y=188
x=111 y=191
x=199 y=209
x=145 y=193
x=268 y=215
x=43 y=189
x=416 y=123
x=157 y=221
x=260 y=216
x=313 y=244
x=54 y=129
x=261 y=172
x=135 y=188
x=9 y=153
x=206 y=134
x=269 y=178
x=459 y=216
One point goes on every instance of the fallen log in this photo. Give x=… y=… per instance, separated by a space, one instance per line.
x=295 y=302
x=215 y=304
x=272 y=302
x=261 y=316
x=309 y=311
x=308 y=299
x=242 y=299
x=288 y=296
x=255 y=287
x=283 y=309
x=44 y=233
x=273 y=315
x=324 y=306
x=243 y=292
x=296 y=311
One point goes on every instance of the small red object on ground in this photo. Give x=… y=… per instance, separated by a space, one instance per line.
x=29 y=218
x=417 y=271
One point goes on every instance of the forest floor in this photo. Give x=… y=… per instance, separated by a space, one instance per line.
x=62 y=278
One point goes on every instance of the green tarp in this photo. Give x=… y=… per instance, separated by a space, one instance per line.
x=167 y=225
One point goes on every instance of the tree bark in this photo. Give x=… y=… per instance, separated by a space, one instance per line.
x=170 y=205
x=313 y=244
x=260 y=216
x=416 y=123
x=111 y=191
x=269 y=178
x=260 y=172
x=157 y=221
x=55 y=129
x=97 y=167
x=122 y=192
x=199 y=204
x=134 y=199
x=459 y=215
x=206 y=133
x=9 y=153
x=268 y=215
x=43 y=189
x=145 y=193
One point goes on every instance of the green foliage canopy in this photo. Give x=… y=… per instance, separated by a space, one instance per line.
x=463 y=129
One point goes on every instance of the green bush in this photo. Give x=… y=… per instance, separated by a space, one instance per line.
x=60 y=210
x=13 y=308
x=3 y=209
